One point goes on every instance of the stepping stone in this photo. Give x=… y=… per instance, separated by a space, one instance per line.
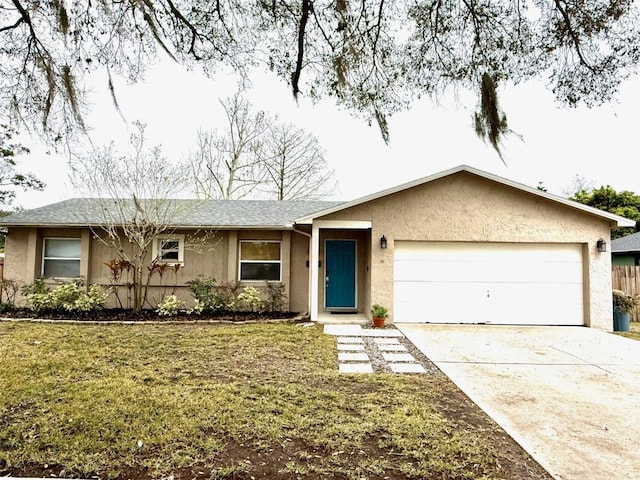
x=355 y=368
x=407 y=368
x=386 y=341
x=392 y=347
x=349 y=340
x=398 y=357
x=353 y=357
x=347 y=330
x=346 y=347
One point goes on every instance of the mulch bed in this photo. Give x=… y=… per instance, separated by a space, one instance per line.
x=127 y=315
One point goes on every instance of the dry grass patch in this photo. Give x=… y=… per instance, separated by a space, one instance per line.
x=211 y=401
x=634 y=331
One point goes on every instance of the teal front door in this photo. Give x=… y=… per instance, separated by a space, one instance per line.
x=340 y=274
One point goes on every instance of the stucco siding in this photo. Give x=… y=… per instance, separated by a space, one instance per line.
x=466 y=207
x=16 y=251
x=299 y=272
x=214 y=255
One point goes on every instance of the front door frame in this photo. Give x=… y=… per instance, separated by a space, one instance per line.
x=355 y=275
x=314 y=255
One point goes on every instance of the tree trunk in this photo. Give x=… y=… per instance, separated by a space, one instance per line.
x=137 y=288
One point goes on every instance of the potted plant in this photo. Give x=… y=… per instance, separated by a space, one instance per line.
x=378 y=315
x=623 y=305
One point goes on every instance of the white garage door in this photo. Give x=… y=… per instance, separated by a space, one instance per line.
x=497 y=283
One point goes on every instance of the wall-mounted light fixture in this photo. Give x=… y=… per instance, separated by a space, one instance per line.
x=383 y=242
x=601 y=245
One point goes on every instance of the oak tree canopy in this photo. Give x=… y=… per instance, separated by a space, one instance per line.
x=374 y=57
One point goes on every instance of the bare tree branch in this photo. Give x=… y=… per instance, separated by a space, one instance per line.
x=135 y=199
x=295 y=76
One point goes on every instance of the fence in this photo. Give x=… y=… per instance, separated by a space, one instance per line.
x=627 y=279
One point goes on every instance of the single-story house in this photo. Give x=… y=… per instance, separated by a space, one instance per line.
x=460 y=246
x=626 y=250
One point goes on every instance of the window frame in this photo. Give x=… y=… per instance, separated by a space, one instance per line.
x=157 y=249
x=272 y=262
x=45 y=258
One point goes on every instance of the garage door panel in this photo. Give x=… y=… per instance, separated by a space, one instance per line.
x=553 y=304
x=488 y=283
x=487 y=252
x=438 y=271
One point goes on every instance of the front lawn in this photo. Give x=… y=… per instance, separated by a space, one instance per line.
x=634 y=331
x=229 y=402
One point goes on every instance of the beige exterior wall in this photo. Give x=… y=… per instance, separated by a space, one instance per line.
x=465 y=207
x=461 y=207
x=217 y=257
x=18 y=266
x=23 y=251
x=299 y=273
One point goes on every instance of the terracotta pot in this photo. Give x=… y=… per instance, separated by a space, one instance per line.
x=378 y=322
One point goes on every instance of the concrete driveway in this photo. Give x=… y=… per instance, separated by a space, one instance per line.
x=569 y=395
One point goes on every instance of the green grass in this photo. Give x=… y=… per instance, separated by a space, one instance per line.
x=634 y=331
x=224 y=400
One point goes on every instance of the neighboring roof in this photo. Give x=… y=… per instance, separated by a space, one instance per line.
x=79 y=212
x=615 y=219
x=629 y=243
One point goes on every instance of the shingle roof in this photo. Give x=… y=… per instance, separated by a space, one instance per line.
x=630 y=243
x=194 y=213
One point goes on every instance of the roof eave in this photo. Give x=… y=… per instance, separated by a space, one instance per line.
x=180 y=227
x=45 y=225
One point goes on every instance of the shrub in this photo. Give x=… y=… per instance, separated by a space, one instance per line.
x=6 y=307
x=170 y=306
x=40 y=302
x=276 y=298
x=204 y=291
x=65 y=296
x=213 y=297
x=197 y=308
x=226 y=296
x=626 y=303
x=37 y=286
x=68 y=297
x=249 y=299
x=8 y=292
x=91 y=300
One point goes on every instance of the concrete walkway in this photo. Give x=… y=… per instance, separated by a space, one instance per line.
x=569 y=395
x=353 y=357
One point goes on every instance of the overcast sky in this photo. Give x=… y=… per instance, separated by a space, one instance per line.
x=600 y=144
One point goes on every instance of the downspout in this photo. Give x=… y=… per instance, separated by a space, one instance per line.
x=301 y=232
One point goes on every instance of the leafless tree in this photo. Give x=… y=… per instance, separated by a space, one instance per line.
x=134 y=200
x=227 y=163
x=295 y=165
x=257 y=155
x=579 y=183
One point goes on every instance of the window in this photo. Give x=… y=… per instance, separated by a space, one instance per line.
x=169 y=249
x=259 y=261
x=61 y=257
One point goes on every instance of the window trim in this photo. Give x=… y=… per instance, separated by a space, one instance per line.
x=45 y=258
x=156 y=251
x=241 y=261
